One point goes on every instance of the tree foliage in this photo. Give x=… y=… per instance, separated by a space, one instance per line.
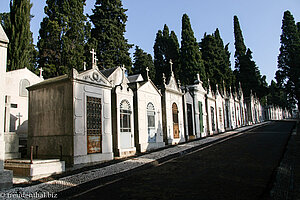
x=109 y=20
x=246 y=70
x=62 y=37
x=277 y=96
x=216 y=60
x=16 y=23
x=191 y=61
x=288 y=72
x=142 y=60
x=166 y=48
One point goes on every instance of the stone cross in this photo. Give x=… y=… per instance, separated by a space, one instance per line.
x=147 y=73
x=198 y=77
x=171 y=65
x=84 y=66
x=19 y=117
x=164 y=78
x=94 y=58
x=41 y=72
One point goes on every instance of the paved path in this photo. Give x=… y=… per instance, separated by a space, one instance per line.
x=240 y=168
x=51 y=188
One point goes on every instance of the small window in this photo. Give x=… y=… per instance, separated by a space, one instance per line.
x=24 y=83
x=125 y=115
x=151 y=115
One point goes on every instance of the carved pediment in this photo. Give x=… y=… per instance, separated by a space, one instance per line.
x=172 y=85
x=94 y=76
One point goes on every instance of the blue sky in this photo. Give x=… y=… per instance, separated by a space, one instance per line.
x=260 y=22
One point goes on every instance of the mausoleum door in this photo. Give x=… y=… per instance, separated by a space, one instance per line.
x=175 y=121
x=200 y=117
x=151 y=123
x=212 y=110
x=190 y=119
x=125 y=125
x=94 y=125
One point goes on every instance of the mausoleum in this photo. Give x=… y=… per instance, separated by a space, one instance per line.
x=70 y=117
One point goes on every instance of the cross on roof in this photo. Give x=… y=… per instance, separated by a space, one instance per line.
x=147 y=72
x=171 y=65
x=94 y=58
x=84 y=66
x=41 y=72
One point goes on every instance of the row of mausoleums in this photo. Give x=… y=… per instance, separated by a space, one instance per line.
x=96 y=115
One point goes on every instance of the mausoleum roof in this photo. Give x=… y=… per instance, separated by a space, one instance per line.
x=50 y=81
x=108 y=72
x=3 y=36
x=135 y=78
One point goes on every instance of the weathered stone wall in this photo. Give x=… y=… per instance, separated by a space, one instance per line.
x=51 y=120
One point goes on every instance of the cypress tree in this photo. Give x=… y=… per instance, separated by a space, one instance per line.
x=211 y=55
x=166 y=48
x=159 y=62
x=289 y=58
x=173 y=53
x=61 y=41
x=216 y=60
x=5 y=21
x=240 y=47
x=246 y=70
x=190 y=56
x=21 y=52
x=74 y=34
x=142 y=60
x=109 y=20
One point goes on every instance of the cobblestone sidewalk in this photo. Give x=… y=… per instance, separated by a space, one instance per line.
x=51 y=188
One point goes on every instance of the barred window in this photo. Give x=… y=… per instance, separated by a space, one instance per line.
x=94 y=124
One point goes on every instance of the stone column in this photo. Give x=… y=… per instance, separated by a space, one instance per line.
x=5 y=175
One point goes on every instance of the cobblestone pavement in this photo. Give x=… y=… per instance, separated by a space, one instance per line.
x=51 y=188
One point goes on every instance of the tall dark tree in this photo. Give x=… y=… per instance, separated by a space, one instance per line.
x=211 y=55
x=190 y=55
x=61 y=40
x=5 y=21
x=289 y=58
x=240 y=47
x=109 y=20
x=216 y=60
x=166 y=48
x=159 y=57
x=16 y=23
x=247 y=72
x=90 y=43
x=142 y=60
x=277 y=96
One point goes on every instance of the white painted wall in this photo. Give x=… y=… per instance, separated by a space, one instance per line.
x=146 y=94
x=80 y=92
x=220 y=112
x=13 y=85
x=199 y=95
x=170 y=99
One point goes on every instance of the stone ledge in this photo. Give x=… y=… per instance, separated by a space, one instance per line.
x=36 y=170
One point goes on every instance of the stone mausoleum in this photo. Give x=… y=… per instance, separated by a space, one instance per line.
x=70 y=117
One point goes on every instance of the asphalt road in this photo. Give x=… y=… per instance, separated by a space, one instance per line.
x=240 y=168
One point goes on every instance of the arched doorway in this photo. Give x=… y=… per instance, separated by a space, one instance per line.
x=175 y=121
x=125 y=125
